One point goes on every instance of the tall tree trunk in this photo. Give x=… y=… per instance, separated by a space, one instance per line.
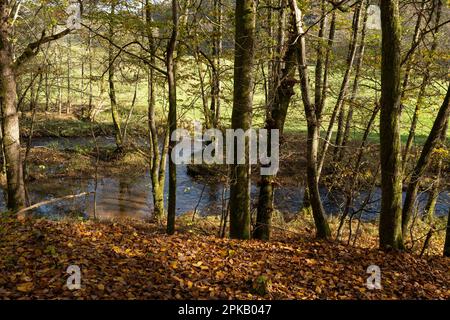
x=158 y=157
x=217 y=54
x=245 y=16
x=322 y=227
x=171 y=77
x=112 y=89
x=91 y=110
x=10 y=117
x=320 y=56
x=275 y=120
x=59 y=84
x=69 y=79
x=390 y=227
x=425 y=157
x=320 y=99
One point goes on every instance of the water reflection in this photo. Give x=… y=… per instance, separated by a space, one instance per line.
x=119 y=196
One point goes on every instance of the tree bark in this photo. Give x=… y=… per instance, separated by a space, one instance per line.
x=275 y=120
x=390 y=147
x=320 y=56
x=217 y=55
x=322 y=227
x=10 y=117
x=112 y=90
x=171 y=77
x=245 y=19
x=157 y=157
x=425 y=157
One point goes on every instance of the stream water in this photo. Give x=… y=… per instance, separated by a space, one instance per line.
x=119 y=196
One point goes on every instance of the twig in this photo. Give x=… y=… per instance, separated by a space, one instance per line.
x=198 y=203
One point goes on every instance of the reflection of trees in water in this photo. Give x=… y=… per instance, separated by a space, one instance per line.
x=123 y=196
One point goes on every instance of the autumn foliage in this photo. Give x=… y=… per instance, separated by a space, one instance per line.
x=136 y=260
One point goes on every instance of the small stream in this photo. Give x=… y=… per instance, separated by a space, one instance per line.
x=119 y=196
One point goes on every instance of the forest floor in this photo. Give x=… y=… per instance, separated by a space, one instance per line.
x=130 y=259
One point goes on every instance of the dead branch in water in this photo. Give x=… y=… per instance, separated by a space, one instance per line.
x=39 y=204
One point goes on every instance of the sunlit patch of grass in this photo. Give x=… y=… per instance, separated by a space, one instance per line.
x=190 y=104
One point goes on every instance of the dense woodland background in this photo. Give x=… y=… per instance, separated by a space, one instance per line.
x=362 y=104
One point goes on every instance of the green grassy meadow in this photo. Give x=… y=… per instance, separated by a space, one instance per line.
x=190 y=100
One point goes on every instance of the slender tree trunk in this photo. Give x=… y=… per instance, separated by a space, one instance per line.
x=430 y=207
x=425 y=157
x=91 y=107
x=344 y=86
x=217 y=54
x=269 y=80
x=158 y=157
x=82 y=85
x=320 y=100
x=390 y=147
x=416 y=35
x=326 y=72
x=433 y=195
x=34 y=105
x=422 y=91
x=415 y=119
x=112 y=89
x=10 y=117
x=355 y=88
x=47 y=89
x=322 y=227
x=242 y=116
x=209 y=118
x=32 y=93
x=69 y=79
x=276 y=119
x=280 y=49
x=59 y=84
x=320 y=56
x=366 y=136
x=171 y=77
